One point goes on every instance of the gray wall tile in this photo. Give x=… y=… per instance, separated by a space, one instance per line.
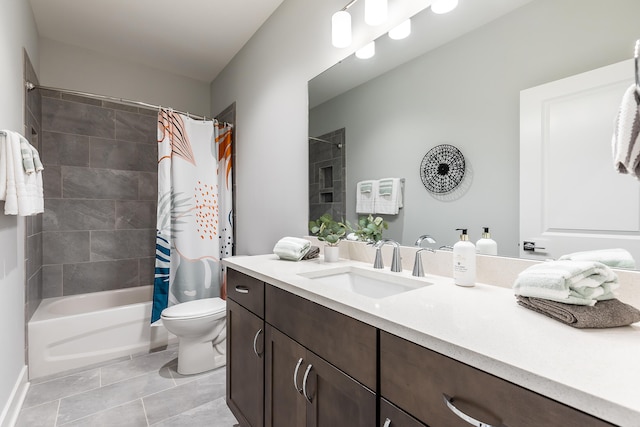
x=148 y=186
x=52 y=182
x=87 y=277
x=79 y=214
x=52 y=281
x=88 y=183
x=65 y=149
x=123 y=155
x=146 y=269
x=60 y=247
x=122 y=244
x=135 y=214
x=76 y=118
x=136 y=127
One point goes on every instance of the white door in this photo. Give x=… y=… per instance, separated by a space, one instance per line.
x=571 y=197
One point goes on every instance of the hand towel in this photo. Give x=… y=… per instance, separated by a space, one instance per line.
x=389 y=196
x=314 y=252
x=27 y=156
x=37 y=163
x=22 y=192
x=620 y=258
x=605 y=314
x=625 y=145
x=570 y=282
x=366 y=196
x=291 y=248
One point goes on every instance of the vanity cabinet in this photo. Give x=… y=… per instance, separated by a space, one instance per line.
x=245 y=348
x=432 y=388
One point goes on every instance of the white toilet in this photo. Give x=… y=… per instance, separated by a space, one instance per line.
x=200 y=326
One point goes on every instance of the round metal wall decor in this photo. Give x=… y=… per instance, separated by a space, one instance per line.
x=442 y=169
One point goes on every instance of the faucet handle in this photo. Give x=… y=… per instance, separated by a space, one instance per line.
x=377 y=263
x=396 y=265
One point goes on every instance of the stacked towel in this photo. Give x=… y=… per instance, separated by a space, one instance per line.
x=314 y=252
x=21 y=190
x=605 y=314
x=389 y=196
x=291 y=248
x=569 y=282
x=617 y=258
x=366 y=196
x=625 y=145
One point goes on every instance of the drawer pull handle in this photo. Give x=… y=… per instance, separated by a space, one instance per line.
x=242 y=289
x=459 y=413
x=387 y=423
x=295 y=376
x=255 y=342
x=304 y=383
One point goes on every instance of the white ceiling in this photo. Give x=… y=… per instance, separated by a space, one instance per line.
x=193 y=38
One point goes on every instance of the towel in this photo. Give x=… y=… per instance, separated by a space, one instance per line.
x=625 y=145
x=314 y=252
x=389 y=196
x=27 y=156
x=569 y=282
x=605 y=314
x=617 y=258
x=366 y=196
x=22 y=192
x=291 y=248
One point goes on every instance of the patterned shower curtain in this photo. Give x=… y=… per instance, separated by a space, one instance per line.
x=194 y=229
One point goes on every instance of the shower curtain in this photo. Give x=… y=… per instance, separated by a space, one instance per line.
x=194 y=228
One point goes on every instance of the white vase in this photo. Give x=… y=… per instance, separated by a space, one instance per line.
x=331 y=253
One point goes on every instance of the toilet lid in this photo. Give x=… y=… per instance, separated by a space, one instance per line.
x=196 y=308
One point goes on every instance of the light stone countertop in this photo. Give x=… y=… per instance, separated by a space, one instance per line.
x=594 y=370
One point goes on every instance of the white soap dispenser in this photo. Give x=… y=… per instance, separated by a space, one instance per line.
x=486 y=245
x=464 y=261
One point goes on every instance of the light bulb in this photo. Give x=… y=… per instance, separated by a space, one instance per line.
x=401 y=31
x=367 y=51
x=375 y=11
x=341 y=29
x=443 y=6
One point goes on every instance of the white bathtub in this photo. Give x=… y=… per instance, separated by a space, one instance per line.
x=80 y=330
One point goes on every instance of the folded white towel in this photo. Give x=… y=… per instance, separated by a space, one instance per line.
x=291 y=248
x=37 y=163
x=389 y=196
x=617 y=257
x=625 y=144
x=569 y=282
x=22 y=192
x=366 y=196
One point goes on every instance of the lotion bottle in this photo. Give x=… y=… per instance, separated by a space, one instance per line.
x=486 y=245
x=464 y=261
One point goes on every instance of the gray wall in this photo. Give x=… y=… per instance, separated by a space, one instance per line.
x=100 y=182
x=466 y=93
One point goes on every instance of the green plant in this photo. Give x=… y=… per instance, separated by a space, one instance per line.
x=370 y=228
x=328 y=230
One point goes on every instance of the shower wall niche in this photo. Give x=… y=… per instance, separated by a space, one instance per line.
x=327 y=175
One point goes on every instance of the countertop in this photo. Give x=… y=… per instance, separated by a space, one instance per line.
x=594 y=370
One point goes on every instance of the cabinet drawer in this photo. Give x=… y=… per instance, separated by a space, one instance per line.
x=415 y=379
x=348 y=344
x=392 y=416
x=246 y=291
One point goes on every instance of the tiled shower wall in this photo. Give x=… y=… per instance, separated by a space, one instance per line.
x=100 y=186
x=327 y=179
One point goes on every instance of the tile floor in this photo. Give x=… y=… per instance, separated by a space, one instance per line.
x=138 y=391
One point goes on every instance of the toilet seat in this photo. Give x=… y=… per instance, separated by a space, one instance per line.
x=206 y=307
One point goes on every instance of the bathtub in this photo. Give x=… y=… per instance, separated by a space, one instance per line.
x=81 y=330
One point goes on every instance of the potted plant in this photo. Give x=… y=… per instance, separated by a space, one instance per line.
x=327 y=230
x=370 y=229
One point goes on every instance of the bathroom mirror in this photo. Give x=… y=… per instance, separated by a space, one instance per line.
x=457 y=80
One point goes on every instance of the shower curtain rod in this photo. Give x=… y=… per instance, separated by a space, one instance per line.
x=30 y=86
x=325 y=141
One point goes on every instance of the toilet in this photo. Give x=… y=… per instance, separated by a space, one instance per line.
x=200 y=326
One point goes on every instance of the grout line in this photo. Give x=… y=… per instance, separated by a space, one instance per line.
x=55 y=422
x=144 y=411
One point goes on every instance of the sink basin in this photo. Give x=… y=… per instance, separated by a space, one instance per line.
x=372 y=284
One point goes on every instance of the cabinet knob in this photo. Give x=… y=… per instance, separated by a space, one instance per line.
x=462 y=415
x=304 y=383
x=255 y=342
x=295 y=376
x=242 y=289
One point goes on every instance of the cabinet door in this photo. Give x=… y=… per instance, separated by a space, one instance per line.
x=284 y=372
x=391 y=416
x=245 y=365
x=336 y=400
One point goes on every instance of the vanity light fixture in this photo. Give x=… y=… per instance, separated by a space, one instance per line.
x=401 y=31
x=367 y=51
x=443 y=6
x=375 y=13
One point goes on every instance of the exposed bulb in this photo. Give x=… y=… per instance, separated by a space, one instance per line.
x=443 y=6
x=401 y=31
x=375 y=12
x=367 y=51
x=341 y=29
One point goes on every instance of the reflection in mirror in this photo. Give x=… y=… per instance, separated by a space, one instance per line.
x=459 y=83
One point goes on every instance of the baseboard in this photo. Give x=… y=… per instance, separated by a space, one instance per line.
x=10 y=413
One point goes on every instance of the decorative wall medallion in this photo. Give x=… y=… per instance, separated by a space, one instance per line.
x=442 y=169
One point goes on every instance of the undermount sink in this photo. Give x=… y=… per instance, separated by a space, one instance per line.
x=372 y=284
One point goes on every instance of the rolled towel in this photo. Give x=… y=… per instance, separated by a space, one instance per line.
x=314 y=252
x=291 y=248
x=570 y=282
x=617 y=257
x=605 y=314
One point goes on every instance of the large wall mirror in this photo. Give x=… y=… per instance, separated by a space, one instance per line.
x=457 y=80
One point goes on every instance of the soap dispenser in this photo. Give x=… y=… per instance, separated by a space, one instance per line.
x=486 y=245
x=464 y=261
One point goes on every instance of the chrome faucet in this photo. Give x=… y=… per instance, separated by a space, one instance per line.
x=396 y=266
x=418 y=271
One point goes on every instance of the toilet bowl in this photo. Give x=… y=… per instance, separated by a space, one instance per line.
x=200 y=326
